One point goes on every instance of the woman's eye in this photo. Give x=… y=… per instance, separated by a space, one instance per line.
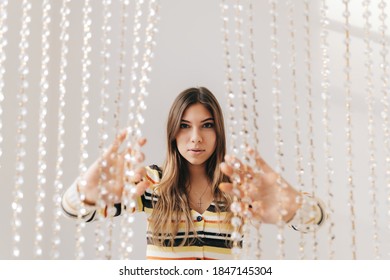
x=184 y=125
x=208 y=125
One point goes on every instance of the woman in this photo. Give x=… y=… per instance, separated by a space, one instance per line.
x=188 y=200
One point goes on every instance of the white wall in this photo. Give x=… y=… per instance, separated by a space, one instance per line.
x=189 y=52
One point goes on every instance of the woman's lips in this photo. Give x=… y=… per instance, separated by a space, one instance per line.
x=196 y=151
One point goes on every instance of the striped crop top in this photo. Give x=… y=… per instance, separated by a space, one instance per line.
x=212 y=231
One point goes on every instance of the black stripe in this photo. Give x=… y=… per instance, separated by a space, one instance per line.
x=76 y=216
x=322 y=215
x=199 y=233
x=222 y=206
x=158 y=169
x=146 y=201
x=118 y=207
x=91 y=219
x=200 y=242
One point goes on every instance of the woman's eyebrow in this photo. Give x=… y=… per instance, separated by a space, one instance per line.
x=205 y=120
x=208 y=119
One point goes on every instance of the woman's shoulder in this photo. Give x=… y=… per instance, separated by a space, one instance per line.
x=153 y=173
x=155 y=167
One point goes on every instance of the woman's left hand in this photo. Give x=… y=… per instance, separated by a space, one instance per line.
x=269 y=201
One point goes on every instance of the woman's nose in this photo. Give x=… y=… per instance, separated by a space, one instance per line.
x=195 y=136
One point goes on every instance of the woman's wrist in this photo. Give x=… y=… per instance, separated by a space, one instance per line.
x=293 y=205
x=81 y=186
x=71 y=201
x=84 y=193
x=310 y=215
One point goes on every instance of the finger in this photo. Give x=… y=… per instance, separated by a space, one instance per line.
x=136 y=178
x=141 y=187
x=123 y=133
x=232 y=160
x=260 y=162
x=242 y=170
x=120 y=137
x=247 y=171
x=141 y=171
x=142 y=141
x=113 y=148
x=140 y=157
x=129 y=149
x=136 y=151
x=226 y=187
x=137 y=175
x=226 y=169
x=128 y=155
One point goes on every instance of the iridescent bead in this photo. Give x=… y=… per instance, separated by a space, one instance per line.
x=129 y=248
x=236 y=207
x=16 y=252
x=236 y=251
x=236 y=221
x=236 y=236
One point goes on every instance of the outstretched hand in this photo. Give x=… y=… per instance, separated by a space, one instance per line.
x=109 y=170
x=269 y=201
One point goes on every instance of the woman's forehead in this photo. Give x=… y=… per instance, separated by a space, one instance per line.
x=195 y=112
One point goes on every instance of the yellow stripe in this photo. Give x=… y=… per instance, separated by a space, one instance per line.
x=174 y=249
x=139 y=204
x=186 y=252
x=224 y=251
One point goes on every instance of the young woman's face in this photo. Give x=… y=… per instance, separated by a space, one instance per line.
x=196 y=139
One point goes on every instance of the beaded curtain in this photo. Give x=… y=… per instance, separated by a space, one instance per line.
x=303 y=82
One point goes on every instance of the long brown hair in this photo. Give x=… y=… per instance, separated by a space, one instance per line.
x=172 y=204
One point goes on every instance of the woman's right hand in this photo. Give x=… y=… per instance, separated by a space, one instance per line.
x=109 y=170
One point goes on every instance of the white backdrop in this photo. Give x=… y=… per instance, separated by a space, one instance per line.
x=189 y=52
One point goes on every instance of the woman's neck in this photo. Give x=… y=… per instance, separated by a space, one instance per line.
x=200 y=192
x=197 y=172
x=198 y=177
